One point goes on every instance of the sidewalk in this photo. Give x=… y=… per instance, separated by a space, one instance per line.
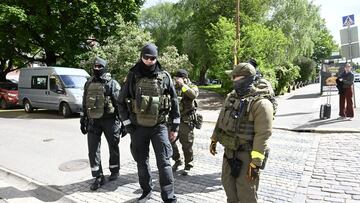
x=299 y=111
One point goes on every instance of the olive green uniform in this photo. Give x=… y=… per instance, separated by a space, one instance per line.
x=243 y=127
x=186 y=95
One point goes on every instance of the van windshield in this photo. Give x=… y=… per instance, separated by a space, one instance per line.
x=73 y=81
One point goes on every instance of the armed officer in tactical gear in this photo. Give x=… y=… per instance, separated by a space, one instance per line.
x=101 y=115
x=187 y=93
x=243 y=127
x=147 y=102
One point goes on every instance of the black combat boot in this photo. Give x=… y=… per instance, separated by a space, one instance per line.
x=98 y=182
x=145 y=197
x=176 y=165
x=113 y=176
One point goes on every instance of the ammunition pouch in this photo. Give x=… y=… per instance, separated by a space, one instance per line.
x=198 y=121
x=147 y=110
x=228 y=141
x=193 y=119
x=109 y=107
x=235 y=166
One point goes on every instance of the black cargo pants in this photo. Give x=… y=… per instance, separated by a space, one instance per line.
x=110 y=126
x=140 y=142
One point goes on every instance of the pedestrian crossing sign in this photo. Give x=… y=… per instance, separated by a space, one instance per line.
x=348 y=20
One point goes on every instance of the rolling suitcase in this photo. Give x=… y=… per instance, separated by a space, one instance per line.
x=325 y=109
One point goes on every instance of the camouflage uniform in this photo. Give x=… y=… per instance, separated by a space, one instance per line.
x=187 y=93
x=243 y=128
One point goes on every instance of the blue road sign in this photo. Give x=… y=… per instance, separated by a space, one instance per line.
x=348 y=20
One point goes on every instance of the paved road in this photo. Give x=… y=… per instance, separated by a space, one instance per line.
x=52 y=153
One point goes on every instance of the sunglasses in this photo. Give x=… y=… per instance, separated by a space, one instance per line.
x=152 y=58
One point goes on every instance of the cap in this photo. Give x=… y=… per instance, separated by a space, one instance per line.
x=149 y=50
x=100 y=61
x=182 y=73
x=242 y=69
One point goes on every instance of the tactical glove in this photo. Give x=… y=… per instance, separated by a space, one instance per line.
x=84 y=124
x=253 y=172
x=212 y=147
x=130 y=129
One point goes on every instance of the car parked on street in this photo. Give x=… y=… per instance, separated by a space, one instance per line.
x=357 y=77
x=8 y=94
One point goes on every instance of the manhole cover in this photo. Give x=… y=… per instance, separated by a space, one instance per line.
x=74 y=165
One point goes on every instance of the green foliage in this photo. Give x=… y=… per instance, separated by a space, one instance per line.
x=171 y=60
x=324 y=44
x=267 y=46
x=162 y=21
x=54 y=32
x=122 y=50
x=221 y=38
x=215 y=88
x=307 y=68
x=299 y=19
x=286 y=74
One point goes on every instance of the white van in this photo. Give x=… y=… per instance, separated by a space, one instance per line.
x=54 y=88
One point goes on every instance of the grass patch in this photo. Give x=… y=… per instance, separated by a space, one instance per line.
x=215 y=88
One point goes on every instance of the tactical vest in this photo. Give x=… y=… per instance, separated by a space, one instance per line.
x=150 y=103
x=98 y=100
x=234 y=124
x=95 y=100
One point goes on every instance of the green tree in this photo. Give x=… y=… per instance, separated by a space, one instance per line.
x=121 y=51
x=307 y=68
x=324 y=44
x=54 y=32
x=268 y=47
x=171 y=60
x=163 y=21
x=221 y=40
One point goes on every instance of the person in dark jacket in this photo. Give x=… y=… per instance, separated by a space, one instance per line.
x=346 y=107
x=101 y=115
x=148 y=100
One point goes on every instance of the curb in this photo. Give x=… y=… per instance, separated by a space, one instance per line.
x=309 y=130
x=321 y=130
x=42 y=190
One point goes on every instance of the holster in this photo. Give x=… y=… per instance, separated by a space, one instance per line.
x=267 y=152
x=235 y=165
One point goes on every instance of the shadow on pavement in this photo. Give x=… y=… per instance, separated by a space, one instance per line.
x=37 y=114
x=305 y=96
x=293 y=114
x=208 y=100
x=320 y=122
x=193 y=184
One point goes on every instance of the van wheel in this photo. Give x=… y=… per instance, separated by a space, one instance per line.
x=65 y=110
x=28 y=107
x=3 y=104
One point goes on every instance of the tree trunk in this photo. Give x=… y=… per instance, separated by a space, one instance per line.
x=50 y=58
x=202 y=76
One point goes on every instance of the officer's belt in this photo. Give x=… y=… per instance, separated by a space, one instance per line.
x=247 y=147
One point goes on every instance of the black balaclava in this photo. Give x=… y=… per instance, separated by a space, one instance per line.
x=243 y=86
x=148 y=50
x=99 y=72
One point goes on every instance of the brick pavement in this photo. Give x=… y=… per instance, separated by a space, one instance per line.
x=303 y=167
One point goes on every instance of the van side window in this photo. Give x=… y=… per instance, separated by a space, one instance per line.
x=39 y=82
x=55 y=84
